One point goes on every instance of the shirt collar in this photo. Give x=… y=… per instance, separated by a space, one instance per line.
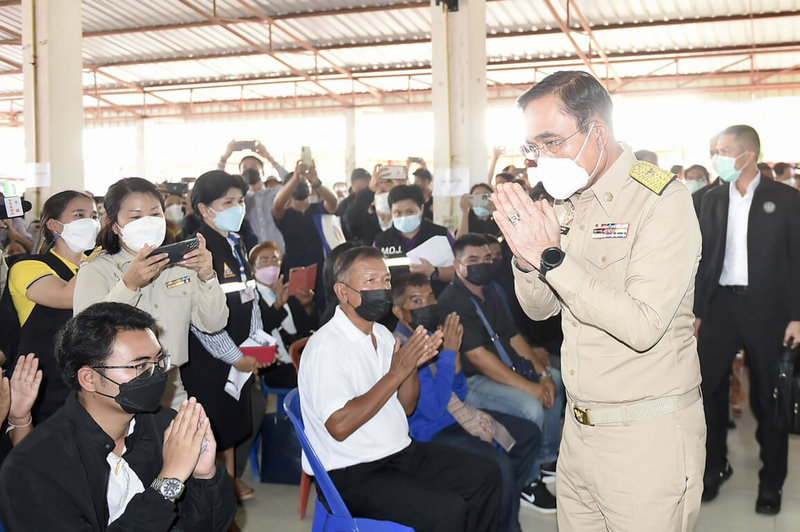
x=402 y=331
x=347 y=326
x=733 y=192
x=607 y=188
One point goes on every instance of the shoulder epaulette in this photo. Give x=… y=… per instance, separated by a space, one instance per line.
x=651 y=176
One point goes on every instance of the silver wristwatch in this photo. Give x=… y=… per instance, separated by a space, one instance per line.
x=169 y=488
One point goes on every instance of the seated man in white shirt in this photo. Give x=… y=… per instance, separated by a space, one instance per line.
x=357 y=385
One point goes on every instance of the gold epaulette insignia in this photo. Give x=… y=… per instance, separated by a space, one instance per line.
x=651 y=176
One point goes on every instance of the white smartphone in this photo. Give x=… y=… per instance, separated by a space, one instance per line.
x=305 y=155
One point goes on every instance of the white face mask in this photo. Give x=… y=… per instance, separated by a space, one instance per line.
x=174 y=213
x=561 y=176
x=80 y=235
x=146 y=231
x=382 y=203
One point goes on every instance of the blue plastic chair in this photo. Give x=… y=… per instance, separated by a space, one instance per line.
x=339 y=518
x=266 y=390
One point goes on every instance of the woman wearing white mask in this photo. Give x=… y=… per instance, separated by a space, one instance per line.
x=477 y=218
x=176 y=296
x=42 y=286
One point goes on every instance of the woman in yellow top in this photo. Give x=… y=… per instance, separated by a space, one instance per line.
x=42 y=286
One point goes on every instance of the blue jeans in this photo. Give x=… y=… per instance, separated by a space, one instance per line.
x=515 y=465
x=486 y=394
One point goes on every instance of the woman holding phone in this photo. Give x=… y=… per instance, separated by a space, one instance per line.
x=477 y=218
x=176 y=295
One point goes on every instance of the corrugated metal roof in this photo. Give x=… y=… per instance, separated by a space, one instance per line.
x=159 y=44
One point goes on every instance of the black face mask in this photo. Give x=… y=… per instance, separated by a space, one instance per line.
x=497 y=268
x=251 y=176
x=428 y=317
x=300 y=192
x=374 y=304
x=480 y=274
x=141 y=394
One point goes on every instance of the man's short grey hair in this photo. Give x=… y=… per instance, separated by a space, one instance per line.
x=341 y=270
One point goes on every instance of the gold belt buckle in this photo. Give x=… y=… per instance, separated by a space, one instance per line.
x=582 y=416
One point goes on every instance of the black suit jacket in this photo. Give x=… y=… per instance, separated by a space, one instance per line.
x=773 y=250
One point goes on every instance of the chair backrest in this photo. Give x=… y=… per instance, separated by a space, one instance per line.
x=292 y=405
x=296 y=351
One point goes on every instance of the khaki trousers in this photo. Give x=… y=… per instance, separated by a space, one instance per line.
x=641 y=476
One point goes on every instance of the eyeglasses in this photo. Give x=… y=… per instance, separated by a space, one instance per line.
x=147 y=368
x=531 y=152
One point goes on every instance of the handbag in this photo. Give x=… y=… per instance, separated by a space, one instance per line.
x=787 y=391
x=280 y=450
x=519 y=364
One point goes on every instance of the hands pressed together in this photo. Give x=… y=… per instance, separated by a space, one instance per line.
x=183 y=444
x=529 y=227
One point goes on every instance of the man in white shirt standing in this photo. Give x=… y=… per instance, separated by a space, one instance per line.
x=357 y=387
x=747 y=295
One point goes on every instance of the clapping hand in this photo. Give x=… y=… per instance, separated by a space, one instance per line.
x=25 y=383
x=452 y=333
x=419 y=349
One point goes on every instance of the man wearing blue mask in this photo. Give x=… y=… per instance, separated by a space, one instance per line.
x=616 y=255
x=409 y=230
x=748 y=295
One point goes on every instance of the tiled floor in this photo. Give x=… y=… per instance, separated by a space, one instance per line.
x=275 y=507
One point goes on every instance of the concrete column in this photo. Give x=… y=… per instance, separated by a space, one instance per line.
x=459 y=105
x=53 y=90
x=349 y=142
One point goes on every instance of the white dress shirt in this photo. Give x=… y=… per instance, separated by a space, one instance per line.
x=734 y=267
x=340 y=363
x=123 y=482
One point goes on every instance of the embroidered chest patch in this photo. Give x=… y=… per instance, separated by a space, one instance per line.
x=611 y=230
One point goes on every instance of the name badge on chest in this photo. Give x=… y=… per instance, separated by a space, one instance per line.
x=247 y=295
x=610 y=230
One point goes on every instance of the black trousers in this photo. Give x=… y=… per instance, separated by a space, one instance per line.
x=426 y=486
x=730 y=325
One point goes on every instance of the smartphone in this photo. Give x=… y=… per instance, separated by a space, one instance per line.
x=242 y=145
x=177 y=250
x=415 y=160
x=393 y=173
x=177 y=189
x=305 y=155
x=481 y=200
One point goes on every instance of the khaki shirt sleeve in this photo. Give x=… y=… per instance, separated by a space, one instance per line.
x=96 y=284
x=536 y=298
x=209 y=306
x=660 y=270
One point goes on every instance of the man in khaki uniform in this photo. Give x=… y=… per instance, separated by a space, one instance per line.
x=617 y=256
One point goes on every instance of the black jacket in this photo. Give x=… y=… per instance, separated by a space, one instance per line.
x=57 y=479
x=359 y=220
x=773 y=250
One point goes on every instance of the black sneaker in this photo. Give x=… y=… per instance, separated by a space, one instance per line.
x=537 y=497
x=549 y=468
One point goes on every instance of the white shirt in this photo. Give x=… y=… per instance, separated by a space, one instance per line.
x=287 y=324
x=123 y=482
x=734 y=267
x=340 y=363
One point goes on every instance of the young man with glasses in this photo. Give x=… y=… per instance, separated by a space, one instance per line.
x=111 y=458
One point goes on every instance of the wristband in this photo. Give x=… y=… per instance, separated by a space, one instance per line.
x=12 y=426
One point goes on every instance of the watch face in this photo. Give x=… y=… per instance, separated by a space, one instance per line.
x=552 y=256
x=171 y=488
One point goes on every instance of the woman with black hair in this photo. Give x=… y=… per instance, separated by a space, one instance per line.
x=218 y=372
x=477 y=219
x=42 y=286
x=175 y=295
